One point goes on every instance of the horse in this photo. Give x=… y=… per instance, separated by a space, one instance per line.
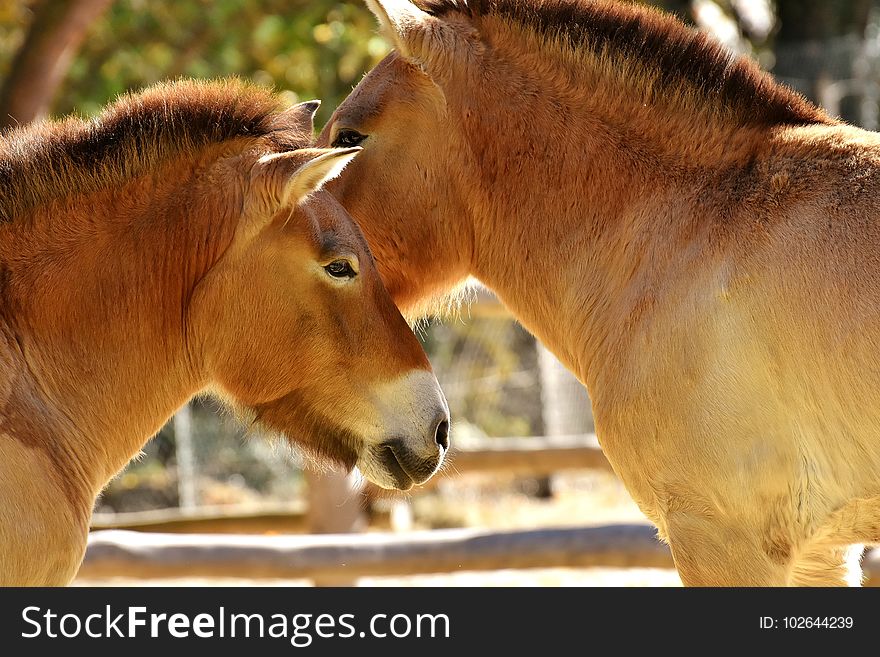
x=699 y=244
x=180 y=243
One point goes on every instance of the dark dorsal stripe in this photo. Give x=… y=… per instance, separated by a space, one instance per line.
x=130 y=137
x=656 y=40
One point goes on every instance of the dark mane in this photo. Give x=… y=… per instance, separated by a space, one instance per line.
x=677 y=53
x=132 y=136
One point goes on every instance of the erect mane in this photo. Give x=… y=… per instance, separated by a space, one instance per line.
x=680 y=56
x=132 y=136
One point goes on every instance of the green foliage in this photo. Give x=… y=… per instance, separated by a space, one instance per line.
x=14 y=17
x=314 y=49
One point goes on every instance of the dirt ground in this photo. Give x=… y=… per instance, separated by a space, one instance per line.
x=477 y=501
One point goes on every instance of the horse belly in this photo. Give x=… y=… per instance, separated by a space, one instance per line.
x=731 y=418
x=790 y=474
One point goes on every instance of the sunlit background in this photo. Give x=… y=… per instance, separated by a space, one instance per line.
x=515 y=409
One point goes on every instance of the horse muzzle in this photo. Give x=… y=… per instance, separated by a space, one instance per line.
x=396 y=464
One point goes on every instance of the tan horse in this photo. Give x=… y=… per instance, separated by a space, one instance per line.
x=700 y=245
x=158 y=251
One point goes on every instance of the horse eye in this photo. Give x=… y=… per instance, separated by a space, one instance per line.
x=348 y=138
x=340 y=269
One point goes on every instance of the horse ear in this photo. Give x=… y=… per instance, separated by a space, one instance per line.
x=282 y=179
x=307 y=110
x=299 y=117
x=411 y=30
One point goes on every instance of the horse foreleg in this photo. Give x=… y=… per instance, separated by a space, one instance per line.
x=42 y=536
x=832 y=556
x=711 y=552
x=827 y=565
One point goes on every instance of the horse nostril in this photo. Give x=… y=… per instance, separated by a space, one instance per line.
x=442 y=434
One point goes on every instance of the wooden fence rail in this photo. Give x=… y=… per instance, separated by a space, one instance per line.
x=146 y=555
x=526 y=456
x=115 y=553
x=283 y=519
x=267 y=519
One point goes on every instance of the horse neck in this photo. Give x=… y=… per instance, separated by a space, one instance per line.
x=598 y=199
x=98 y=322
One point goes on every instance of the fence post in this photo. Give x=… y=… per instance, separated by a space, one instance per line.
x=565 y=405
x=335 y=507
x=186 y=462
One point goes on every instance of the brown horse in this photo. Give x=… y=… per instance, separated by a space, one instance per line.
x=161 y=250
x=700 y=245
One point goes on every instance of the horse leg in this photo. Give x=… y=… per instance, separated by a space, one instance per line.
x=832 y=558
x=42 y=536
x=711 y=552
x=827 y=565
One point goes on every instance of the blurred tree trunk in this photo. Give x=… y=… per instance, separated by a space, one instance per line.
x=56 y=32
